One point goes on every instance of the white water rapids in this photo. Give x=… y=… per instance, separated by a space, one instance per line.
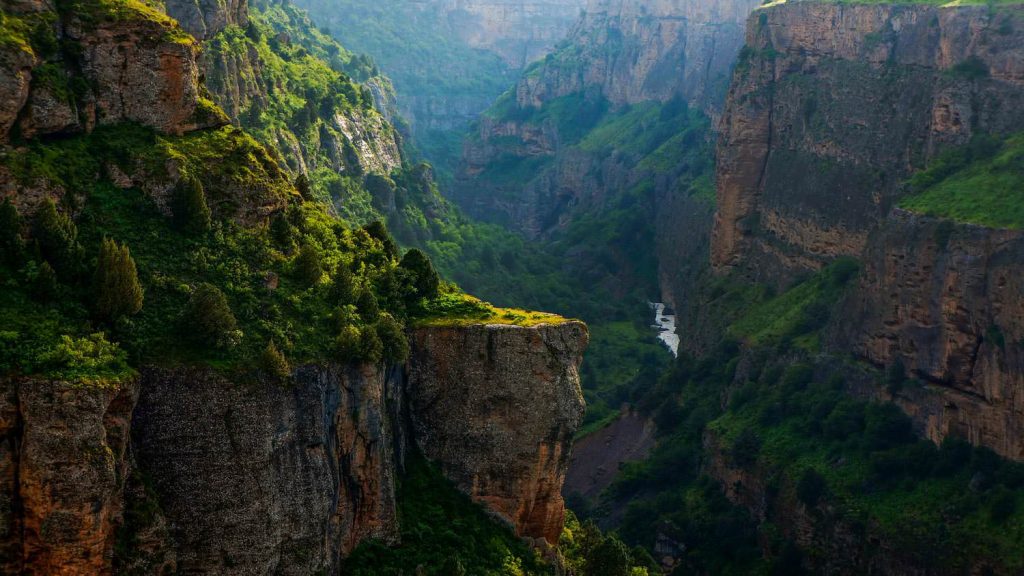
x=665 y=324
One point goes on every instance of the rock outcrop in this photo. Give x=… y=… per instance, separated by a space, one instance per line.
x=205 y=18
x=523 y=167
x=62 y=472
x=195 y=471
x=833 y=105
x=636 y=51
x=496 y=407
x=271 y=478
x=136 y=67
x=946 y=301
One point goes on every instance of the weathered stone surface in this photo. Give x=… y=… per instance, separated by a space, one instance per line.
x=139 y=74
x=833 y=105
x=948 y=301
x=270 y=479
x=205 y=18
x=637 y=51
x=62 y=469
x=15 y=79
x=625 y=52
x=496 y=407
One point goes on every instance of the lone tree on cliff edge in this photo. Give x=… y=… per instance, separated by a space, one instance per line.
x=118 y=291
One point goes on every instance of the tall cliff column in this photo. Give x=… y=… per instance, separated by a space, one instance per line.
x=496 y=407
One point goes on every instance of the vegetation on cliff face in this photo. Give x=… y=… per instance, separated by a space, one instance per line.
x=774 y=417
x=981 y=183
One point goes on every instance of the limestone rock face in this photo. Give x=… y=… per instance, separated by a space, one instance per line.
x=205 y=18
x=948 y=301
x=270 y=478
x=138 y=68
x=520 y=31
x=496 y=407
x=621 y=52
x=636 y=51
x=832 y=106
x=62 y=469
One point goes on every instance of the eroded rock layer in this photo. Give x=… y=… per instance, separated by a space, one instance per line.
x=496 y=407
x=945 y=301
x=832 y=106
x=63 y=465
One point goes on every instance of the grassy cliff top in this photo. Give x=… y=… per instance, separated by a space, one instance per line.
x=452 y=309
x=981 y=183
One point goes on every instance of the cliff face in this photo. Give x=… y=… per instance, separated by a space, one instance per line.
x=832 y=106
x=62 y=472
x=516 y=30
x=205 y=18
x=636 y=51
x=945 y=300
x=270 y=478
x=139 y=67
x=559 y=147
x=496 y=407
x=241 y=476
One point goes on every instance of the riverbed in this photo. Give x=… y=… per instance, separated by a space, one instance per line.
x=665 y=324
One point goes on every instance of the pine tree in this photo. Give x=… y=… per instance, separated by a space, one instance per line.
x=191 y=212
x=207 y=318
x=303 y=187
x=45 y=287
x=379 y=231
x=282 y=233
x=12 y=246
x=308 y=266
x=343 y=285
x=392 y=337
x=273 y=362
x=425 y=281
x=118 y=291
x=57 y=237
x=369 y=308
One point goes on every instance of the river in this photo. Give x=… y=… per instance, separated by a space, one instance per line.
x=665 y=324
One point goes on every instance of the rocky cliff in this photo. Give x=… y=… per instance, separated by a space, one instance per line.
x=205 y=18
x=497 y=407
x=243 y=476
x=944 y=301
x=519 y=31
x=135 y=65
x=850 y=100
x=637 y=51
x=64 y=462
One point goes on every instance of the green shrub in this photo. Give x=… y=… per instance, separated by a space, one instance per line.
x=117 y=287
x=424 y=279
x=45 y=287
x=88 y=358
x=811 y=487
x=12 y=245
x=273 y=362
x=308 y=266
x=191 y=212
x=207 y=319
x=369 y=308
x=57 y=238
x=393 y=339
